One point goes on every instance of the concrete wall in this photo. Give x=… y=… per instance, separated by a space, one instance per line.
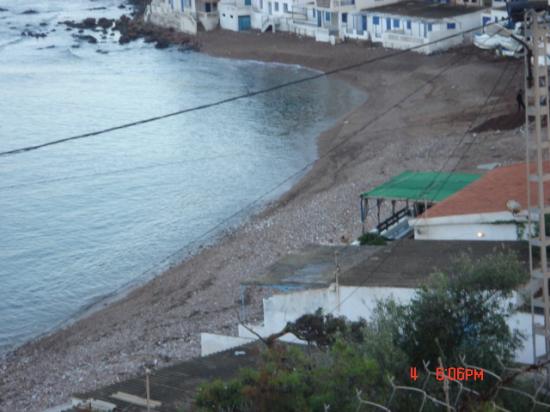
x=161 y=13
x=229 y=15
x=407 y=31
x=486 y=226
x=360 y=302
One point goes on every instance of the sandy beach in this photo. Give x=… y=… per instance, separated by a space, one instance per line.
x=417 y=114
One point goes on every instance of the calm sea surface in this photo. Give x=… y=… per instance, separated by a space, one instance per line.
x=85 y=218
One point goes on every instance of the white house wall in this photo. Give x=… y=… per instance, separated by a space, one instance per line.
x=167 y=13
x=409 y=31
x=360 y=302
x=499 y=226
x=229 y=15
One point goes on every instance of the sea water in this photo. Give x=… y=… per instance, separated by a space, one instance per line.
x=82 y=219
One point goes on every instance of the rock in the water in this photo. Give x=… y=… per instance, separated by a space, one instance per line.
x=36 y=35
x=1 y=9
x=85 y=37
x=30 y=11
x=105 y=23
x=162 y=44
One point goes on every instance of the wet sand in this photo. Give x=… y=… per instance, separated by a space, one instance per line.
x=418 y=110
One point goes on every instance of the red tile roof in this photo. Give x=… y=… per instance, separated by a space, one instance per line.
x=491 y=192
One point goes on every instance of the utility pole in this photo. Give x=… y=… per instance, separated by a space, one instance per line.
x=537 y=134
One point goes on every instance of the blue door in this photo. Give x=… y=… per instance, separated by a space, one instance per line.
x=244 y=23
x=248 y=2
x=318 y=18
x=388 y=23
x=364 y=23
x=207 y=7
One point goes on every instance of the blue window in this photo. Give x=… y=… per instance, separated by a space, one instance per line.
x=285 y=7
x=327 y=16
x=388 y=23
x=451 y=26
x=395 y=23
x=248 y=2
x=276 y=6
x=344 y=17
x=429 y=26
x=408 y=25
x=364 y=23
x=376 y=20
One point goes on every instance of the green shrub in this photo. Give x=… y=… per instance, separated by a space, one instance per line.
x=372 y=239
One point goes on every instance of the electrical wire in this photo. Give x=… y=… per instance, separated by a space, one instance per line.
x=468 y=130
x=239 y=97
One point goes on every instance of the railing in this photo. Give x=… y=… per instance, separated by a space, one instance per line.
x=208 y=14
x=403 y=38
x=334 y=4
x=393 y=219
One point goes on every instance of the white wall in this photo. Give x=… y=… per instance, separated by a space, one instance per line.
x=161 y=13
x=402 y=36
x=491 y=226
x=359 y=302
x=229 y=15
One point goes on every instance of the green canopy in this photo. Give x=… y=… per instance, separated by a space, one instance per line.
x=422 y=186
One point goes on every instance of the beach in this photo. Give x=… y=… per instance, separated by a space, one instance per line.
x=416 y=118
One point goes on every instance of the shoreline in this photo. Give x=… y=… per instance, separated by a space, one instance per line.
x=162 y=317
x=274 y=201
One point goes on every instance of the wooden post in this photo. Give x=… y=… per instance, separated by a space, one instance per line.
x=147 y=389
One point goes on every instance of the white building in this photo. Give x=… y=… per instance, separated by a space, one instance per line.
x=414 y=23
x=187 y=16
x=362 y=285
x=492 y=208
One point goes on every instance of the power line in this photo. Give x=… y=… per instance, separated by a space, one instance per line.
x=252 y=204
x=238 y=97
x=468 y=130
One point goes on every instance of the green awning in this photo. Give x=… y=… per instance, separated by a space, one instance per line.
x=422 y=186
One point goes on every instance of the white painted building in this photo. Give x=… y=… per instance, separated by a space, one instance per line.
x=415 y=23
x=493 y=207
x=187 y=16
x=368 y=275
x=352 y=302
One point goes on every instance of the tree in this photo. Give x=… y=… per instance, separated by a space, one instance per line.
x=463 y=312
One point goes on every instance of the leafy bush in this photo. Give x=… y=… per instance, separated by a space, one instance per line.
x=459 y=312
x=372 y=239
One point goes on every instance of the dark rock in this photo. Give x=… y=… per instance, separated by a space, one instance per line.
x=122 y=6
x=89 y=23
x=36 y=35
x=30 y=11
x=162 y=44
x=105 y=23
x=85 y=37
x=43 y=24
x=102 y=51
x=1 y=9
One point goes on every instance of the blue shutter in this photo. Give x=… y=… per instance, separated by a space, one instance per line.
x=408 y=24
x=395 y=23
x=344 y=17
x=364 y=23
x=376 y=20
x=451 y=26
x=388 y=23
x=429 y=26
x=327 y=16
